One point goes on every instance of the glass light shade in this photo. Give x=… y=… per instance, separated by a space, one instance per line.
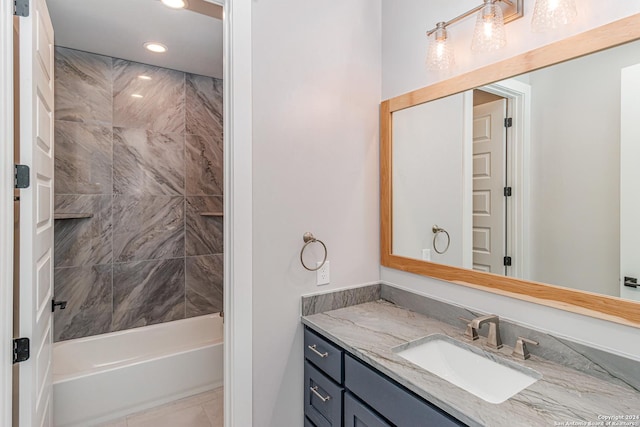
x=440 y=53
x=489 y=34
x=551 y=14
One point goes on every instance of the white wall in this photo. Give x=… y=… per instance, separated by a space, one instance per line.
x=403 y=52
x=427 y=175
x=316 y=94
x=575 y=171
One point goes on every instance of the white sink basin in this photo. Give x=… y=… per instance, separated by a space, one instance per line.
x=491 y=378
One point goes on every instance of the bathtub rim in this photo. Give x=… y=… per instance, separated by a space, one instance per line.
x=217 y=341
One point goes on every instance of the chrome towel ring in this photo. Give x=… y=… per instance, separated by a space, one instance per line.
x=309 y=239
x=437 y=230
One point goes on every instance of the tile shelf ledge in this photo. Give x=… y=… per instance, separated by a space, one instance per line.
x=72 y=215
x=211 y=214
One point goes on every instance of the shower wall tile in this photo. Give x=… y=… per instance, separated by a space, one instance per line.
x=204 y=277
x=88 y=293
x=148 y=292
x=148 y=227
x=83 y=158
x=146 y=162
x=145 y=166
x=203 y=166
x=204 y=106
x=203 y=233
x=159 y=101
x=83 y=86
x=85 y=241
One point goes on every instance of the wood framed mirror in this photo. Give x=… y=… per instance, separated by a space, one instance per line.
x=611 y=308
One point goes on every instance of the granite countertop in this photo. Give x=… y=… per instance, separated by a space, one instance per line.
x=563 y=396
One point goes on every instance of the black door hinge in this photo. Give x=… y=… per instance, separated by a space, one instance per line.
x=21 y=7
x=507 y=191
x=20 y=350
x=508 y=122
x=507 y=261
x=21 y=176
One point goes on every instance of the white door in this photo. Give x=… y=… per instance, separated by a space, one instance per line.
x=489 y=168
x=630 y=181
x=36 y=213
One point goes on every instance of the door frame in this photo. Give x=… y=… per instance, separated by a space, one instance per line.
x=6 y=205
x=238 y=214
x=238 y=376
x=518 y=95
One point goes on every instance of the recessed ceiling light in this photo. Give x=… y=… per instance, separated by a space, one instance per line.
x=136 y=95
x=143 y=77
x=155 y=47
x=175 y=4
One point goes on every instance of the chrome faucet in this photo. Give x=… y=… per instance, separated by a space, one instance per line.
x=493 y=339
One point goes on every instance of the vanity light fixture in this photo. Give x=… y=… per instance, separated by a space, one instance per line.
x=551 y=14
x=136 y=95
x=489 y=34
x=144 y=77
x=440 y=54
x=155 y=47
x=175 y=4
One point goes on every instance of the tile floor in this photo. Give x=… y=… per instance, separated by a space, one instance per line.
x=201 y=410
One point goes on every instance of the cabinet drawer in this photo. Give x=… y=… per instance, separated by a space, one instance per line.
x=322 y=398
x=325 y=355
x=308 y=423
x=357 y=414
x=391 y=400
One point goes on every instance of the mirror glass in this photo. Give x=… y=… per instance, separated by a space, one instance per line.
x=527 y=177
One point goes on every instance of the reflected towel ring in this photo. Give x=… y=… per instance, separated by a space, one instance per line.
x=309 y=239
x=437 y=230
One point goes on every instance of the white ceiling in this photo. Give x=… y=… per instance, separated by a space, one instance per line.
x=119 y=28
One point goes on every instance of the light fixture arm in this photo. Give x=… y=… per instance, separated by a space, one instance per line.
x=468 y=13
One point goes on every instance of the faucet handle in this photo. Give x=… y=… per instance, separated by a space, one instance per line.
x=471 y=332
x=520 y=350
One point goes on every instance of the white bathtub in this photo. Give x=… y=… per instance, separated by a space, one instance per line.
x=104 y=377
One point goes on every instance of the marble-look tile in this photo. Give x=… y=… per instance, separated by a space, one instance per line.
x=203 y=233
x=204 y=284
x=116 y=423
x=85 y=241
x=204 y=162
x=148 y=163
x=83 y=86
x=194 y=416
x=158 y=103
x=204 y=106
x=147 y=292
x=312 y=304
x=148 y=227
x=88 y=293
x=215 y=408
x=83 y=158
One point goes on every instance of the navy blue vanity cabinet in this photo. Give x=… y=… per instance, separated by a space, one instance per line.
x=347 y=392
x=357 y=414
x=395 y=403
x=323 y=378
